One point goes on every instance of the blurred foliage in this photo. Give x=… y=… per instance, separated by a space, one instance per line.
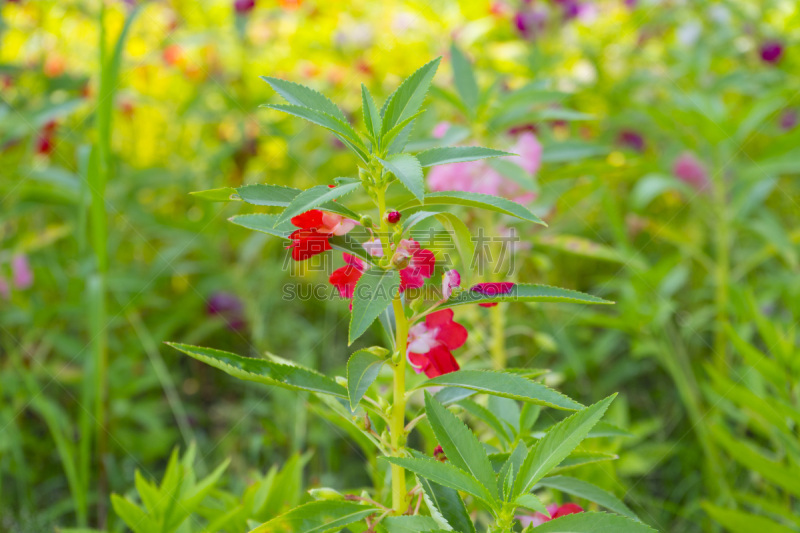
x=702 y=342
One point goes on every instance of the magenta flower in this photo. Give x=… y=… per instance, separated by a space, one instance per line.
x=430 y=342
x=554 y=510
x=479 y=177
x=492 y=289
x=393 y=217
x=228 y=307
x=788 y=119
x=691 y=171
x=771 y=51
x=243 y=7
x=631 y=139
x=22 y=275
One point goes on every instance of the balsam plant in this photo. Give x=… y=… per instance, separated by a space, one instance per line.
x=464 y=486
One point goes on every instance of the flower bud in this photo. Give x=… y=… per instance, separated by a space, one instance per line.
x=341 y=380
x=325 y=493
x=378 y=351
x=366 y=221
x=393 y=217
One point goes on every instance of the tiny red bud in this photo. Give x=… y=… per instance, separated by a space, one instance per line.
x=393 y=217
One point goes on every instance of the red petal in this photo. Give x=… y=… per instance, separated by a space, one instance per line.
x=354 y=261
x=441 y=361
x=452 y=334
x=345 y=279
x=567 y=508
x=308 y=243
x=410 y=278
x=419 y=360
x=423 y=261
x=438 y=318
x=308 y=220
x=492 y=304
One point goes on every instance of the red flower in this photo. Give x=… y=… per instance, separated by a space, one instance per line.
x=346 y=277
x=492 y=289
x=555 y=512
x=438 y=454
x=430 y=342
x=393 y=217
x=315 y=228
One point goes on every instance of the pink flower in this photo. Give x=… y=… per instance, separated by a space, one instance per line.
x=315 y=228
x=430 y=342
x=450 y=280
x=244 y=6
x=479 y=177
x=21 y=272
x=555 y=511
x=492 y=289
x=691 y=171
x=440 y=129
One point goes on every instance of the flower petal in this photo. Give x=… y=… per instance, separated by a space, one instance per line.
x=308 y=220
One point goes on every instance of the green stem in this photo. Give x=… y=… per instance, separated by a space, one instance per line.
x=398 y=420
x=498 y=348
x=722 y=273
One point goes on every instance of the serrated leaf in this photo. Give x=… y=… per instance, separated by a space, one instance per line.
x=133 y=515
x=510 y=468
x=481 y=201
x=448 y=505
x=588 y=491
x=269 y=195
x=372 y=117
x=460 y=445
x=580 y=458
x=489 y=418
x=408 y=97
x=313 y=198
x=362 y=369
x=444 y=474
x=372 y=294
x=525 y=292
x=318 y=517
x=340 y=128
x=464 y=76
x=263 y=223
x=223 y=194
x=592 y=522
x=505 y=385
x=263 y=371
x=409 y=524
x=558 y=443
x=532 y=502
x=300 y=95
x=408 y=171
x=457 y=154
x=399 y=133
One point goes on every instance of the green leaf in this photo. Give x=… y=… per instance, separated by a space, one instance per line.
x=592 y=522
x=270 y=195
x=223 y=194
x=460 y=445
x=318 y=517
x=530 y=501
x=407 y=169
x=583 y=457
x=525 y=292
x=303 y=96
x=372 y=117
x=466 y=85
x=409 y=524
x=482 y=201
x=457 y=154
x=264 y=224
x=482 y=413
x=510 y=469
x=399 y=133
x=446 y=505
x=444 y=474
x=461 y=236
x=313 y=198
x=558 y=443
x=373 y=293
x=362 y=369
x=593 y=493
x=340 y=128
x=505 y=385
x=408 y=97
x=263 y=371
x=133 y=515
x=737 y=521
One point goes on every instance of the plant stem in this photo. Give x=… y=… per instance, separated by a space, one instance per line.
x=722 y=272
x=498 y=349
x=397 y=427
